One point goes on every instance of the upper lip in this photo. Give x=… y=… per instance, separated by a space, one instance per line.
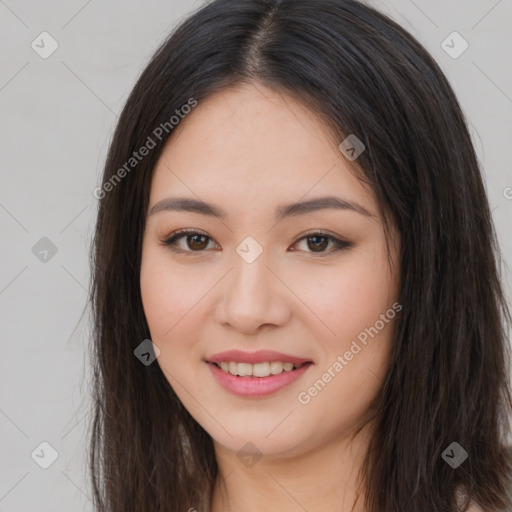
x=261 y=356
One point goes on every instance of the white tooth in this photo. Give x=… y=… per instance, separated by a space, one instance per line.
x=276 y=367
x=258 y=369
x=261 y=369
x=244 y=369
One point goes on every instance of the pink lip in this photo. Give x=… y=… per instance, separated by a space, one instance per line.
x=262 y=356
x=256 y=386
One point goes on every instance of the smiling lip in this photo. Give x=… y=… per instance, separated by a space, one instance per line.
x=255 y=386
x=262 y=356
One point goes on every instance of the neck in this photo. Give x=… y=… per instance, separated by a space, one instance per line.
x=325 y=478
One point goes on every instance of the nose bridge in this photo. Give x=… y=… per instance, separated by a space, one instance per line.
x=250 y=275
x=251 y=296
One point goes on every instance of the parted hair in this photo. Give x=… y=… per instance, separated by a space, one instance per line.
x=361 y=74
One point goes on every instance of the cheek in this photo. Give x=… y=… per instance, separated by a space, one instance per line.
x=355 y=358
x=176 y=312
x=348 y=299
x=167 y=295
x=168 y=299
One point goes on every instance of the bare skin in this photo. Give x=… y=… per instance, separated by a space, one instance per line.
x=249 y=150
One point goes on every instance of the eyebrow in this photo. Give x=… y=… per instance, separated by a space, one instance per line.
x=186 y=204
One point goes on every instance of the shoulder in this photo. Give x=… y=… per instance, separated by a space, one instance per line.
x=473 y=507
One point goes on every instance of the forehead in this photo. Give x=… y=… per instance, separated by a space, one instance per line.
x=253 y=146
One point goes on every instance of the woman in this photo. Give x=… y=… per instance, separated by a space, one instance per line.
x=296 y=296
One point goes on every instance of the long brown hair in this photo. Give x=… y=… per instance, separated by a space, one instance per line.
x=362 y=74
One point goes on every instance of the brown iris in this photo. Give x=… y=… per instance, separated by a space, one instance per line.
x=197 y=245
x=318 y=245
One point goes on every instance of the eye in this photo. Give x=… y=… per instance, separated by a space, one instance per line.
x=197 y=242
x=318 y=241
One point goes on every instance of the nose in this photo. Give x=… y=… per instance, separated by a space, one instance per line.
x=252 y=296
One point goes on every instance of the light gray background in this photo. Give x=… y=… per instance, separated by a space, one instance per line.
x=57 y=117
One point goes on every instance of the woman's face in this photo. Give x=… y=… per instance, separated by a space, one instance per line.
x=261 y=280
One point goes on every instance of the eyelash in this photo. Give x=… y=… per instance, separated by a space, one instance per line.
x=171 y=241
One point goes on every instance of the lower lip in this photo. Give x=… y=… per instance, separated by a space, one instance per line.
x=256 y=386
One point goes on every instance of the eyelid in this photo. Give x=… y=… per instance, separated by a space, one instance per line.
x=338 y=242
